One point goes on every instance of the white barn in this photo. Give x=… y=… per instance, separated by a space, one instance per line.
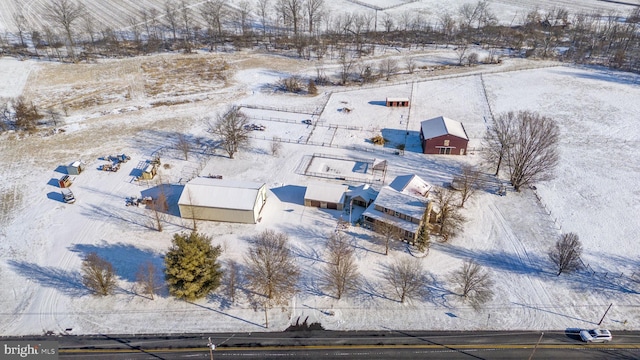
x=222 y=200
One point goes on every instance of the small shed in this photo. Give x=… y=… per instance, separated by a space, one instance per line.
x=75 y=168
x=325 y=196
x=397 y=102
x=442 y=135
x=149 y=172
x=64 y=182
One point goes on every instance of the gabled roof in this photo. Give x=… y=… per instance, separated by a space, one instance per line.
x=218 y=193
x=330 y=193
x=400 y=202
x=410 y=185
x=390 y=219
x=364 y=192
x=442 y=126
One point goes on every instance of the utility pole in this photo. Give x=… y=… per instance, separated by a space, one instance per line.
x=605 y=314
x=350 y=211
x=211 y=348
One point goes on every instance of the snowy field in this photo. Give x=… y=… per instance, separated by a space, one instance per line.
x=42 y=240
x=115 y=14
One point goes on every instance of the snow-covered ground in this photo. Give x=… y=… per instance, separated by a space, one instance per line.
x=42 y=240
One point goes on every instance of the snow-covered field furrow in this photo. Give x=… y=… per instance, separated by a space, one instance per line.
x=115 y=14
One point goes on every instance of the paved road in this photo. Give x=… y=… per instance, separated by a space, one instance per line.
x=347 y=345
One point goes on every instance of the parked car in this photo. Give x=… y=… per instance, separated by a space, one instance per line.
x=68 y=196
x=595 y=335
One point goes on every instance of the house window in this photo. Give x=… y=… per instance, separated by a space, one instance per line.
x=397 y=214
x=446 y=143
x=445 y=150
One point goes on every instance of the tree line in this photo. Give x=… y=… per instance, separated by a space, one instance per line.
x=269 y=274
x=310 y=29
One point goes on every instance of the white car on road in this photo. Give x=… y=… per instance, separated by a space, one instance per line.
x=595 y=335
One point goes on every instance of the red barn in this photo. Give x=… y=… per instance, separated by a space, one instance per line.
x=397 y=102
x=442 y=135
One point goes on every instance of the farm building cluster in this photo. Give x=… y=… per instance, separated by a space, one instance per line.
x=403 y=205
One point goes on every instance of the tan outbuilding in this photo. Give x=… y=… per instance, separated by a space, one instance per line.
x=222 y=200
x=325 y=196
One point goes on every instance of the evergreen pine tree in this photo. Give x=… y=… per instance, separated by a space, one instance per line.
x=192 y=268
x=423 y=240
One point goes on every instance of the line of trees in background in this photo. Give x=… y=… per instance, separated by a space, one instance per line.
x=309 y=29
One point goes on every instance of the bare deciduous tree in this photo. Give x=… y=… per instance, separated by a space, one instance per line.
x=171 y=17
x=230 y=128
x=461 y=51
x=262 y=8
x=498 y=139
x=20 y=23
x=410 y=63
x=65 y=13
x=89 y=27
x=271 y=268
x=346 y=63
x=313 y=9
x=467 y=183
x=25 y=114
x=473 y=59
x=406 y=278
x=534 y=152
x=388 y=67
x=213 y=13
x=447 y=24
x=192 y=211
x=475 y=15
x=474 y=283
x=242 y=16
x=231 y=279
x=566 y=253
x=291 y=84
x=186 y=18
x=529 y=143
x=54 y=116
x=449 y=217
x=159 y=208
x=341 y=273
x=387 y=231
x=291 y=11
x=184 y=145
x=276 y=146
x=148 y=280
x=98 y=274
x=388 y=22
